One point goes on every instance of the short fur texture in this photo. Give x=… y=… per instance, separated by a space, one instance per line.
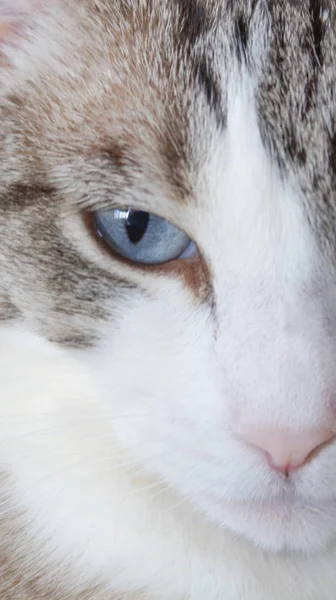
x=124 y=390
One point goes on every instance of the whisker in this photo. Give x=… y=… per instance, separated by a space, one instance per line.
x=106 y=413
x=174 y=506
x=75 y=422
x=59 y=427
x=159 y=483
x=115 y=447
x=50 y=476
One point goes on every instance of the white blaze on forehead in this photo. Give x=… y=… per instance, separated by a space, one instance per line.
x=273 y=345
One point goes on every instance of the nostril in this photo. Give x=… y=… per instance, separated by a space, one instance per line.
x=286 y=450
x=284 y=469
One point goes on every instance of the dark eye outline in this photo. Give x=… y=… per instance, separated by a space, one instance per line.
x=90 y=222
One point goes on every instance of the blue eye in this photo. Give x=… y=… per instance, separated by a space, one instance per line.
x=142 y=237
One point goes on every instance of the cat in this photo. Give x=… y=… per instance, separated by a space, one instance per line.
x=167 y=299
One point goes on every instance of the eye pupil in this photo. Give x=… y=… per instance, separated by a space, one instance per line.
x=136 y=225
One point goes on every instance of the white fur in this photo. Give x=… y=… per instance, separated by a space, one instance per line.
x=89 y=435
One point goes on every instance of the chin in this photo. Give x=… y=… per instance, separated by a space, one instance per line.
x=290 y=527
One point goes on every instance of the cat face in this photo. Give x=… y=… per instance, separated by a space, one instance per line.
x=208 y=133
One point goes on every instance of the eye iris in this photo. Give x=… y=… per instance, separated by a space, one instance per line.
x=136 y=225
x=141 y=237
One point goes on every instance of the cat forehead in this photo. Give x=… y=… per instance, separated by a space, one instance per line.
x=150 y=85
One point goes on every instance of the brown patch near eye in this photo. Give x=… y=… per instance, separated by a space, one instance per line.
x=7 y=310
x=175 y=162
x=195 y=275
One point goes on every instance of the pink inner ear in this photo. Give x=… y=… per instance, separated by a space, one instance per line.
x=17 y=18
x=8 y=34
x=13 y=15
x=5 y=34
x=3 y=30
x=13 y=8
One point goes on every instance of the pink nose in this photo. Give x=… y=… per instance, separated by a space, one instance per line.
x=289 y=450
